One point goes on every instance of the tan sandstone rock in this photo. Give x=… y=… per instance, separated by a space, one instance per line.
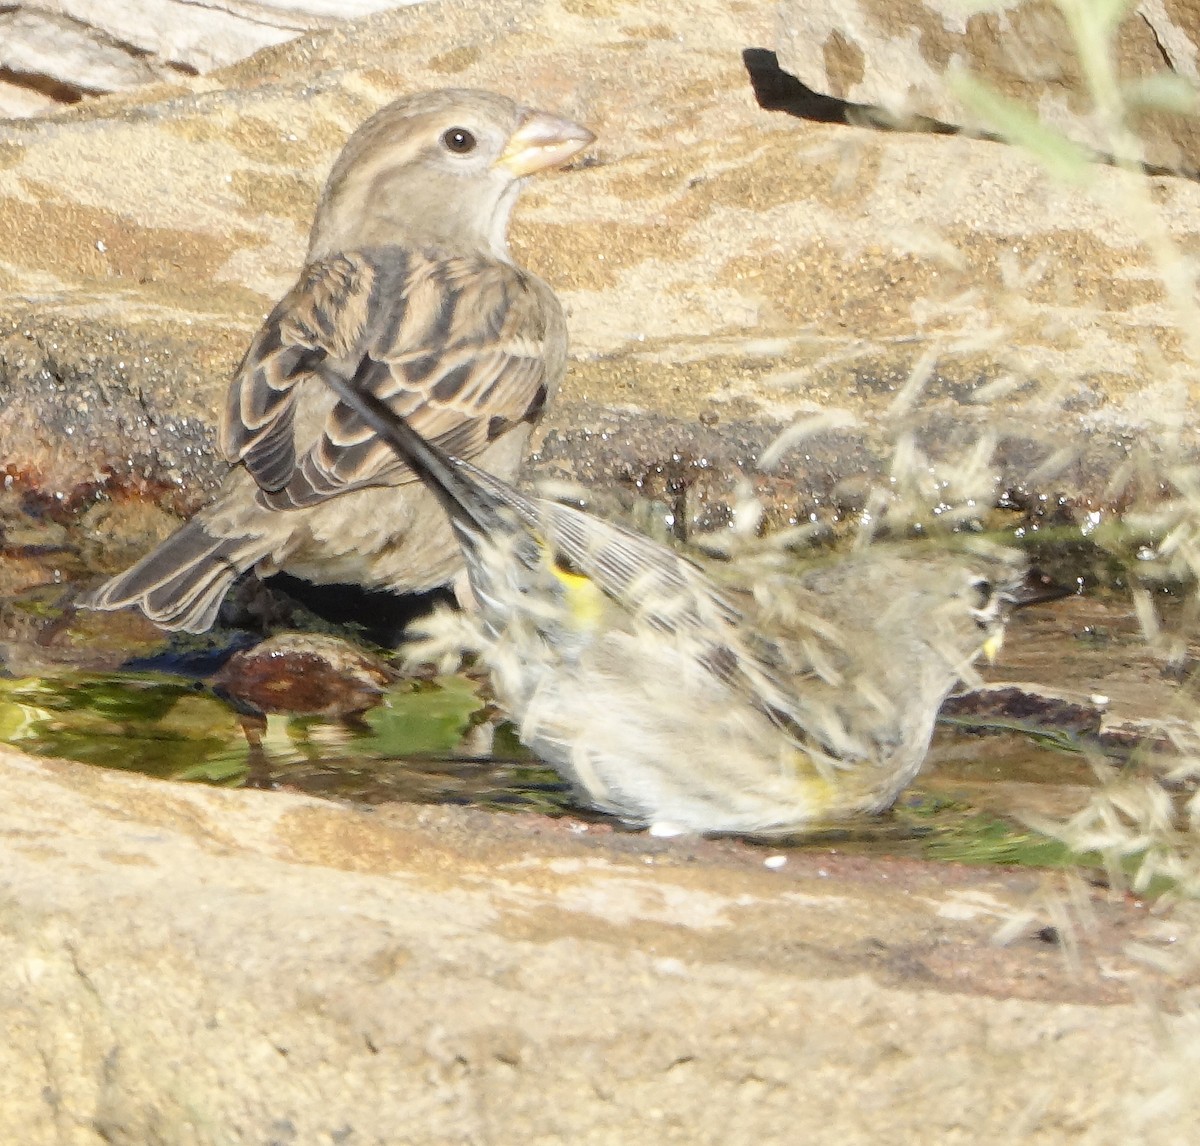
x=895 y=56
x=184 y=965
x=57 y=51
x=727 y=269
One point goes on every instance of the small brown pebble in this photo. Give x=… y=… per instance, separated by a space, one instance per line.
x=305 y=673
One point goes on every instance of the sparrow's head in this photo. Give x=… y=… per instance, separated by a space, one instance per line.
x=441 y=169
x=958 y=601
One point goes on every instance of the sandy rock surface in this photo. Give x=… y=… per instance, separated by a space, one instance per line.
x=896 y=55
x=57 y=51
x=187 y=965
x=727 y=269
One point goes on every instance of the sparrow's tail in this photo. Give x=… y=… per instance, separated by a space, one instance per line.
x=181 y=584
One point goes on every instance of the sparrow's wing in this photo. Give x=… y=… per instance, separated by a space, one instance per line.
x=658 y=586
x=461 y=346
x=788 y=681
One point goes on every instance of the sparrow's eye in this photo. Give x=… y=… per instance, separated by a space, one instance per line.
x=459 y=140
x=983 y=592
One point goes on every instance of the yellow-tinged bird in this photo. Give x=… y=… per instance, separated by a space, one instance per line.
x=755 y=697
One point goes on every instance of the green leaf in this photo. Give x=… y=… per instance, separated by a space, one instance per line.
x=1163 y=91
x=1098 y=18
x=1061 y=157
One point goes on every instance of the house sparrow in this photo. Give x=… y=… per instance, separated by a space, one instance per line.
x=760 y=697
x=409 y=288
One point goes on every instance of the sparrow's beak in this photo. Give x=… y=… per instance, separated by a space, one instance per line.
x=543 y=140
x=993 y=644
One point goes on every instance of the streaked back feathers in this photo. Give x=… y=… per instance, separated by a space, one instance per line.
x=761 y=695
